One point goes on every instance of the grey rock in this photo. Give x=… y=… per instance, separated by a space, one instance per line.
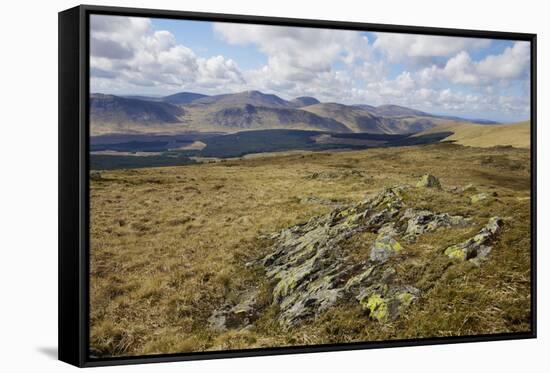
x=320 y=201
x=421 y=221
x=384 y=247
x=478 y=247
x=308 y=268
x=236 y=316
x=96 y=176
x=386 y=303
x=428 y=181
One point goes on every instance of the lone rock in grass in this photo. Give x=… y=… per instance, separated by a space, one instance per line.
x=387 y=303
x=478 y=247
x=481 y=197
x=96 y=176
x=428 y=181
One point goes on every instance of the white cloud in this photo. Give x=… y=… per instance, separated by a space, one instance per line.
x=127 y=53
x=297 y=54
x=460 y=69
x=400 y=46
x=129 y=56
x=513 y=63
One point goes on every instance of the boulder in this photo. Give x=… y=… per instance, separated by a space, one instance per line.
x=428 y=181
x=421 y=221
x=478 y=247
x=96 y=176
x=236 y=316
x=387 y=303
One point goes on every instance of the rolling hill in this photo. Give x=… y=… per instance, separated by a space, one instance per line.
x=183 y=98
x=261 y=117
x=255 y=98
x=485 y=136
x=121 y=110
x=250 y=110
x=299 y=102
x=359 y=119
x=396 y=111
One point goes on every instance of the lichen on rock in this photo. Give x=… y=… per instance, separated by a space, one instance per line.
x=478 y=247
x=384 y=247
x=386 y=303
x=309 y=270
x=422 y=221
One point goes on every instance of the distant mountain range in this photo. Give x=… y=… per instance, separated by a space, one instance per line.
x=252 y=110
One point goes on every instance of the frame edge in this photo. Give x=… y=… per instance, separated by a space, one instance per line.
x=70 y=341
x=73 y=179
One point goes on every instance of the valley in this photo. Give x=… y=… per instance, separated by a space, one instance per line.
x=183 y=128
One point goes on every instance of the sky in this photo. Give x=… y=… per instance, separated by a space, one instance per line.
x=468 y=77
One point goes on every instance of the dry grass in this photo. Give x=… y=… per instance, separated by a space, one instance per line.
x=169 y=245
x=485 y=136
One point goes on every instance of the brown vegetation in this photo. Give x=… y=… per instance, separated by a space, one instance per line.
x=170 y=245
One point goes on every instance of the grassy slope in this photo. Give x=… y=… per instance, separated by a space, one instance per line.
x=517 y=135
x=169 y=245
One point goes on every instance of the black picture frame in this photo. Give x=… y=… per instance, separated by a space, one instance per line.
x=74 y=183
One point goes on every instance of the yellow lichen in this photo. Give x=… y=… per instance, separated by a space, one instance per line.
x=377 y=307
x=455 y=252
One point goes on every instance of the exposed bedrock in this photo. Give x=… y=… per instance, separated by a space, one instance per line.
x=309 y=271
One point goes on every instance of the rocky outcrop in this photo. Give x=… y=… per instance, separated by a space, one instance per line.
x=421 y=221
x=307 y=266
x=309 y=270
x=478 y=247
x=241 y=314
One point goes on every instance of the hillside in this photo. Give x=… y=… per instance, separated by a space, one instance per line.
x=109 y=113
x=257 y=117
x=484 y=136
x=304 y=101
x=183 y=98
x=396 y=110
x=289 y=250
x=255 y=98
x=355 y=119
x=250 y=110
x=362 y=119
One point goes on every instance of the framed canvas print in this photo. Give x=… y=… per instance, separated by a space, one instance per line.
x=239 y=186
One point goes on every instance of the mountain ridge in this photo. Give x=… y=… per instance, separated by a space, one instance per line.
x=252 y=110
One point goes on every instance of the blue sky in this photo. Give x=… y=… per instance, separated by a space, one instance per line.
x=477 y=78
